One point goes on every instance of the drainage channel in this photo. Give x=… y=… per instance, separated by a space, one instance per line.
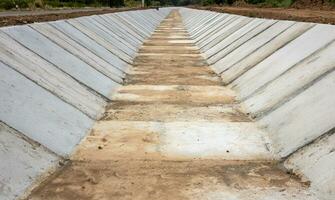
x=173 y=132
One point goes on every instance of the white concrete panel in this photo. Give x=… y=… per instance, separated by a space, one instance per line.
x=132 y=24
x=39 y=114
x=213 y=29
x=221 y=49
x=137 y=21
x=108 y=36
x=23 y=162
x=125 y=26
x=248 y=43
x=81 y=52
x=303 y=118
x=204 y=24
x=316 y=162
x=253 y=44
x=97 y=38
x=230 y=28
x=210 y=23
x=283 y=59
x=49 y=77
x=114 y=33
x=293 y=81
x=90 y=44
x=233 y=26
x=246 y=63
x=61 y=58
x=124 y=31
x=121 y=34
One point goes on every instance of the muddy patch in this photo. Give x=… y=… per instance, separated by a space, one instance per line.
x=173 y=112
x=147 y=179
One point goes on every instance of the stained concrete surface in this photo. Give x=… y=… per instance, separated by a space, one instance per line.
x=152 y=144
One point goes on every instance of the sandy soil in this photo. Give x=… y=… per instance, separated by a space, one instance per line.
x=305 y=15
x=170 y=180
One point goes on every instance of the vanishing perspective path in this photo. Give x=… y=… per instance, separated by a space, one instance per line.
x=173 y=132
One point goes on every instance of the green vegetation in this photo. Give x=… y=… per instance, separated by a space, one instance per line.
x=8 y=4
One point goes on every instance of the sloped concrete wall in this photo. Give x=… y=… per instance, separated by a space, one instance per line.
x=55 y=81
x=284 y=74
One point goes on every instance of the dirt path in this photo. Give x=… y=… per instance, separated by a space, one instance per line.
x=173 y=132
x=304 y=15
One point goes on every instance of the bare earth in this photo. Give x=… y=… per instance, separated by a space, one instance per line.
x=304 y=15
x=173 y=132
x=8 y=18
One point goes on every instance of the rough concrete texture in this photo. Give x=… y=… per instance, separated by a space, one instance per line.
x=173 y=132
x=283 y=75
x=249 y=57
x=42 y=116
x=62 y=59
x=49 y=77
x=81 y=52
x=21 y=159
x=56 y=79
x=316 y=163
x=306 y=117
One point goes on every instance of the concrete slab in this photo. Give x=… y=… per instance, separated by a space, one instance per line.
x=293 y=82
x=39 y=114
x=128 y=39
x=90 y=44
x=223 y=33
x=78 y=50
x=115 y=21
x=304 y=118
x=201 y=38
x=214 y=29
x=213 y=54
x=108 y=36
x=258 y=55
x=198 y=95
x=61 y=58
x=253 y=44
x=100 y=40
x=175 y=140
x=232 y=45
x=313 y=159
x=49 y=77
x=24 y=163
x=274 y=65
x=126 y=26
